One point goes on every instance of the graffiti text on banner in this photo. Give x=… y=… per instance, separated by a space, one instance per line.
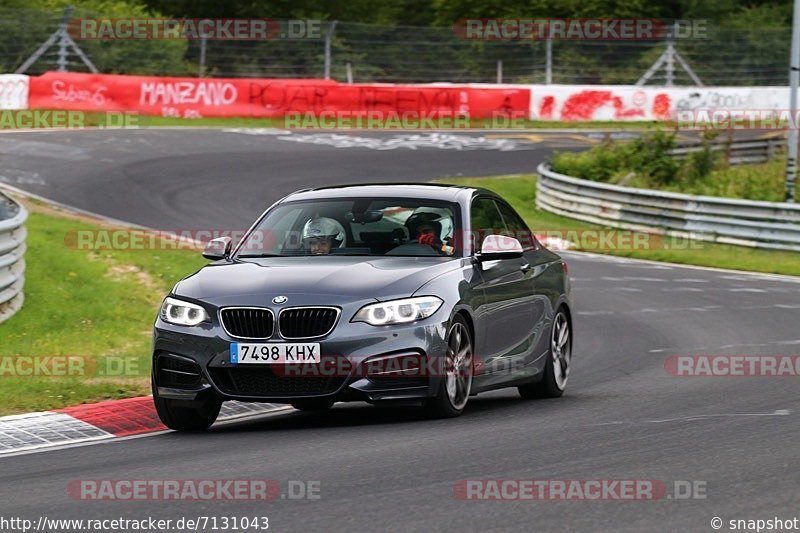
x=193 y=98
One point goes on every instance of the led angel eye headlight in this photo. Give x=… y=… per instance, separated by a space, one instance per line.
x=182 y=313
x=398 y=311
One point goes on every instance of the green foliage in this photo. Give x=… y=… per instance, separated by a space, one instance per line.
x=646 y=155
x=645 y=163
x=700 y=164
x=650 y=154
x=24 y=28
x=763 y=181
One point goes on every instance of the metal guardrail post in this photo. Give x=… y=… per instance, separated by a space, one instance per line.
x=12 y=256
x=328 y=40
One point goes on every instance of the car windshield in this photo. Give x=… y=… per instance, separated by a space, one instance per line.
x=356 y=226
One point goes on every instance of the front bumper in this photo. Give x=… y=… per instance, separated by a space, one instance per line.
x=203 y=364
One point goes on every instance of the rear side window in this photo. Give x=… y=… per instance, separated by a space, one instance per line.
x=485 y=220
x=516 y=226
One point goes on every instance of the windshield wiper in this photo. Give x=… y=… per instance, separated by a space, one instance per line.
x=265 y=254
x=357 y=254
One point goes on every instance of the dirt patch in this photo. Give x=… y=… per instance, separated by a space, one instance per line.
x=121 y=272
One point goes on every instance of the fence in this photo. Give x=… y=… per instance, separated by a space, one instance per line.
x=12 y=252
x=741 y=222
x=370 y=53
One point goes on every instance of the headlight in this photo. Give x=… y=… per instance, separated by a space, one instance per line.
x=398 y=311
x=182 y=313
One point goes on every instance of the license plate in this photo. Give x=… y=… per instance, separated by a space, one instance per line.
x=275 y=353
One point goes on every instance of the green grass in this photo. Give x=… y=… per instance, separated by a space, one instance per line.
x=146 y=121
x=94 y=119
x=520 y=191
x=96 y=305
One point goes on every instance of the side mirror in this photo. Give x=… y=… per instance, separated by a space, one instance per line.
x=219 y=248
x=499 y=247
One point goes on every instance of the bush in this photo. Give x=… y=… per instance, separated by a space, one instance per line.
x=699 y=165
x=646 y=155
x=645 y=163
x=649 y=155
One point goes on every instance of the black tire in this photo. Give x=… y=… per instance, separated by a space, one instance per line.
x=312 y=404
x=443 y=405
x=553 y=382
x=182 y=415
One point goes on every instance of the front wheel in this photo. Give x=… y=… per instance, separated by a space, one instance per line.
x=456 y=384
x=559 y=357
x=182 y=415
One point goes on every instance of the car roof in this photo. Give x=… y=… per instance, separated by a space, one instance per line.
x=432 y=191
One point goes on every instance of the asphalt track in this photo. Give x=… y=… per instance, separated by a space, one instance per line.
x=623 y=417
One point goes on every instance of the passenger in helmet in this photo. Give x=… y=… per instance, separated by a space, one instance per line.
x=425 y=228
x=320 y=234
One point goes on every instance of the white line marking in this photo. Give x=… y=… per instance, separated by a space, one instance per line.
x=693 y=418
x=773 y=277
x=746 y=289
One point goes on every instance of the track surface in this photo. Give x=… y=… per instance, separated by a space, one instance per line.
x=623 y=417
x=200 y=179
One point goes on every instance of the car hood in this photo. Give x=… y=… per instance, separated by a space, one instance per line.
x=337 y=278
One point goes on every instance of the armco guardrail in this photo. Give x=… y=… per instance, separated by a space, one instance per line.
x=738 y=152
x=741 y=222
x=12 y=256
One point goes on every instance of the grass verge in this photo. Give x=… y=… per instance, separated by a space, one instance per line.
x=520 y=191
x=96 y=306
x=149 y=121
x=93 y=119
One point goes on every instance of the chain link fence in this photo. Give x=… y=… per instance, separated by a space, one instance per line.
x=371 y=53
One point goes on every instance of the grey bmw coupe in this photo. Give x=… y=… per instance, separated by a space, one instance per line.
x=421 y=294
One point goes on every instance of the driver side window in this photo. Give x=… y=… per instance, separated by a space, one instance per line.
x=485 y=220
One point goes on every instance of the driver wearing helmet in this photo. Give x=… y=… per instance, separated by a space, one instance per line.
x=320 y=234
x=425 y=228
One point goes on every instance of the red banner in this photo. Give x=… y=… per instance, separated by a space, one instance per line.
x=220 y=97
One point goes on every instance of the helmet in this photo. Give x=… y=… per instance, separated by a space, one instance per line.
x=324 y=228
x=423 y=219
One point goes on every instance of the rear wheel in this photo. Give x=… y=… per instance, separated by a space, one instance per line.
x=182 y=415
x=556 y=370
x=456 y=384
x=312 y=404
